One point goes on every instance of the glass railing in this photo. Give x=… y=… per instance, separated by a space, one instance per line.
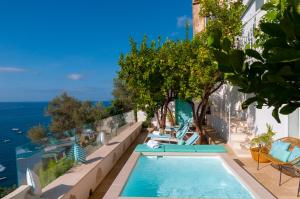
x=54 y=157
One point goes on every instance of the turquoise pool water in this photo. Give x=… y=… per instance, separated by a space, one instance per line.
x=183 y=177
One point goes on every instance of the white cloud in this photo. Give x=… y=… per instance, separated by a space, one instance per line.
x=11 y=70
x=75 y=76
x=181 y=21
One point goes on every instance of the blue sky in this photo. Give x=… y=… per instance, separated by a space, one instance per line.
x=51 y=46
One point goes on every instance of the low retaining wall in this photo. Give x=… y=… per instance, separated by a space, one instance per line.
x=81 y=181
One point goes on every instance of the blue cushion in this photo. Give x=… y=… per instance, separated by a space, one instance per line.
x=179 y=148
x=282 y=155
x=279 y=145
x=181 y=142
x=145 y=148
x=294 y=154
x=210 y=148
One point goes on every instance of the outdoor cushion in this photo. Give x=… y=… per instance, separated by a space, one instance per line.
x=294 y=154
x=210 y=148
x=181 y=142
x=279 y=145
x=145 y=148
x=151 y=135
x=281 y=155
x=192 y=139
x=179 y=148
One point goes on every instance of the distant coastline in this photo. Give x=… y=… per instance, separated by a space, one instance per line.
x=22 y=116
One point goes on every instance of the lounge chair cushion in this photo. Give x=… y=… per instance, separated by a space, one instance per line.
x=179 y=148
x=181 y=142
x=145 y=148
x=279 y=145
x=294 y=154
x=281 y=155
x=210 y=148
x=192 y=139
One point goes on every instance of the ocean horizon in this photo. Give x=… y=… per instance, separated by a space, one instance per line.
x=19 y=116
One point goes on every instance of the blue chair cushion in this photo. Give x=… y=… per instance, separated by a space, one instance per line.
x=210 y=148
x=279 y=145
x=179 y=148
x=282 y=155
x=192 y=139
x=181 y=142
x=294 y=154
x=145 y=148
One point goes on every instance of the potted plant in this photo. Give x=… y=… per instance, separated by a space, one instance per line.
x=261 y=141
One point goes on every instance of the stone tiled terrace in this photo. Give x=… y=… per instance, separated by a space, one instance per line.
x=267 y=175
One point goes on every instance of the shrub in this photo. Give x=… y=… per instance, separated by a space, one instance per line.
x=53 y=170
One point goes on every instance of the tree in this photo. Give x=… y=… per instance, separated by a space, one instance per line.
x=68 y=113
x=37 y=133
x=151 y=73
x=273 y=75
x=202 y=77
x=123 y=98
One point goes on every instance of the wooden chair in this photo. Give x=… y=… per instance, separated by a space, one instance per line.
x=264 y=152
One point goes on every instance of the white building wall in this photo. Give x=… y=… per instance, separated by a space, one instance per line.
x=264 y=116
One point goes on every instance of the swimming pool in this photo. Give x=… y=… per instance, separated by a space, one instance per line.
x=183 y=177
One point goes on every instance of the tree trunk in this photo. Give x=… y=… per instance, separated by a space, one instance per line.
x=172 y=120
x=157 y=118
x=164 y=115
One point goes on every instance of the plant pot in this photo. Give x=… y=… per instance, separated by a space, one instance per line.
x=254 y=154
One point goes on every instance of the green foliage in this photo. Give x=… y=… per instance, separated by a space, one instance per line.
x=37 y=133
x=201 y=77
x=68 y=113
x=275 y=10
x=264 y=139
x=6 y=190
x=151 y=72
x=272 y=76
x=123 y=98
x=224 y=15
x=53 y=170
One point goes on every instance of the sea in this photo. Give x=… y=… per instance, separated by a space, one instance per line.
x=21 y=116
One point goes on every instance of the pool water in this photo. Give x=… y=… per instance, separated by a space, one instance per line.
x=183 y=177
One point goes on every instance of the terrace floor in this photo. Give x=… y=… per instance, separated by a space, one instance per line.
x=267 y=175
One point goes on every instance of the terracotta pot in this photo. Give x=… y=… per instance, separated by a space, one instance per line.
x=254 y=154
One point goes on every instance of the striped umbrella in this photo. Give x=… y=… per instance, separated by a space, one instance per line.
x=77 y=152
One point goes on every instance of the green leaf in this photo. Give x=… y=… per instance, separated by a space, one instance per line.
x=275 y=114
x=268 y=6
x=272 y=29
x=236 y=59
x=285 y=55
x=289 y=108
x=254 y=53
x=214 y=38
x=249 y=101
x=226 y=44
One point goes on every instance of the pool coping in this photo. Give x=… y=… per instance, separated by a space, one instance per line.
x=256 y=189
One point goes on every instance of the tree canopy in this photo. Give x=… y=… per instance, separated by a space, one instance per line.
x=68 y=113
x=150 y=71
x=37 y=133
